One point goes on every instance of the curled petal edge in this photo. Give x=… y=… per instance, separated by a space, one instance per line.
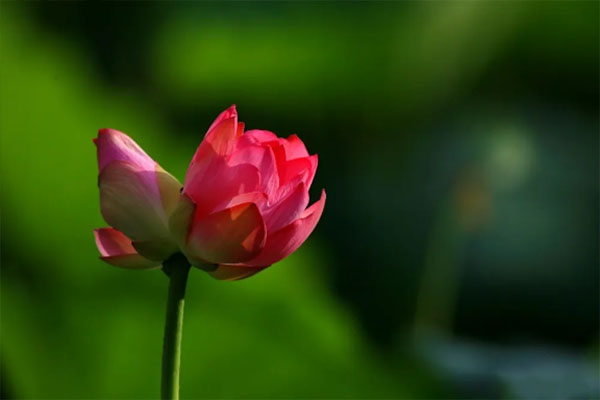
x=116 y=249
x=285 y=241
x=232 y=235
x=233 y=272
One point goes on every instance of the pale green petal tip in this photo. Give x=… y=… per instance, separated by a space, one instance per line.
x=169 y=188
x=181 y=219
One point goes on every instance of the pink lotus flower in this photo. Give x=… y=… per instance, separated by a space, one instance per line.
x=242 y=207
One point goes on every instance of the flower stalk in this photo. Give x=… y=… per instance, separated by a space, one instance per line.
x=177 y=269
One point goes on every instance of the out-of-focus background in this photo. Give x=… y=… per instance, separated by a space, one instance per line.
x=458 y=143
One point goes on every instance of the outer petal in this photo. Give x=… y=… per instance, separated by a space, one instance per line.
x=287 y=209
x=218 y=142
x=232 y=235
x=130 y=201
x=294 y=148
x=132 y=184
x=231 y=112
x=220 y=136
x=113 y=145
x=285 y=241
x=234 y=272
x=116 y=249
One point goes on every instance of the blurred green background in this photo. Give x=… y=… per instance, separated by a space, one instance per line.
x=458 y=143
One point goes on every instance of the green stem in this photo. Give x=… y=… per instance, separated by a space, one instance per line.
x=176 y=268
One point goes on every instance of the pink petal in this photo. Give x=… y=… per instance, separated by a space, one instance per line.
x=219 y=183
x=290 y=169
x=218 y=141
x=304 y=167
x=231 y=112
x=294 y=147
x=233 y=272
x=261 y=157
x=287 y=209
x=113 y=145
x=116 y=249
x=286 y=152
x=262 y=136
x=130 y=201
x=285 y=241
x=257 y=198
x=232 y=235
x=205 y=162
x=279 y=152
x=111 y=242
x=220 y=136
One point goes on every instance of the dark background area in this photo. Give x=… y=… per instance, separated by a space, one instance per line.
x=458 y=144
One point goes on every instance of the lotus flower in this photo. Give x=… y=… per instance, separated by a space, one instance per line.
x=242 y=207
